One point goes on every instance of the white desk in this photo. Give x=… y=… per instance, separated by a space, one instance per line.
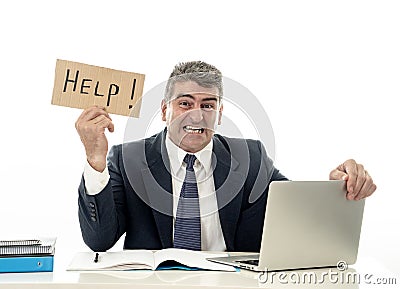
x=196 y=279
x=142 y=279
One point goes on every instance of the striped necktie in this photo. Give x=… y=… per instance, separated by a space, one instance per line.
x=187 y=232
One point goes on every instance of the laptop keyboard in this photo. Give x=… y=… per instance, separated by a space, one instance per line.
x=250 y=262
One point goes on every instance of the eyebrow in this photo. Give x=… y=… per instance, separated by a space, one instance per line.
x=192 y=97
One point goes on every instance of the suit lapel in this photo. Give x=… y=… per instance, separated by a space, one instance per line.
x=228 y=181
x=158 y=183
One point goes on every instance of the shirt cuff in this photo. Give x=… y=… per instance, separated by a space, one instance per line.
x=95 y=181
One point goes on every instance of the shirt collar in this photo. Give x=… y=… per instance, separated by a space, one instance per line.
x=176 y=155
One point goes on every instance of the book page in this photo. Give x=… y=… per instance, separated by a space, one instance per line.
x=194 y=259
x=122 y=260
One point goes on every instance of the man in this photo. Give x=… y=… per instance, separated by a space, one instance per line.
x=184 y=187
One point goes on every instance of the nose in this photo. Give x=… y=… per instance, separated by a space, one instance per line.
x=196 y=115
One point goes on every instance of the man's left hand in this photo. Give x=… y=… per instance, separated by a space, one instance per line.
x=359 y=183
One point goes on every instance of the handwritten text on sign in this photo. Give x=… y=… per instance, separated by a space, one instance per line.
x=81 y=86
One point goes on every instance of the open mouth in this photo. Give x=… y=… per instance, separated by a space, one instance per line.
x=192 y=129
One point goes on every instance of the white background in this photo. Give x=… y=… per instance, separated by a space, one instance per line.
x=326 y=72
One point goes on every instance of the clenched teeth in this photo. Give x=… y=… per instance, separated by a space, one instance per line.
x=192 y=129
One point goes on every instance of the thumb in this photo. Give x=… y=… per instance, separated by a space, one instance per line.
x=110 y=127
x=338 y=175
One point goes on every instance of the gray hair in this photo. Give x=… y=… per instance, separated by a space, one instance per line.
x=204 y=74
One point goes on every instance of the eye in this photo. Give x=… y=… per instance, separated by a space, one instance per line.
x=207 y=106
x=184 y=104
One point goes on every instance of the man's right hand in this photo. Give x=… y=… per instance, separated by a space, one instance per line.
x=91 y=126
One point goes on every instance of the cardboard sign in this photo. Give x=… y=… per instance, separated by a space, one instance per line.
x=80 y=85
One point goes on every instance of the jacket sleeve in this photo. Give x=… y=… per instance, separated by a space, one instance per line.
x=102 y=216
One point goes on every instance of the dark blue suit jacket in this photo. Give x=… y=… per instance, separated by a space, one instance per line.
x=138 y=198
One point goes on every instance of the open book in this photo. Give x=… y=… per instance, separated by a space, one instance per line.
x=145 y=259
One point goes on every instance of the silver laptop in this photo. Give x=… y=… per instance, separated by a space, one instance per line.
x=308 y=224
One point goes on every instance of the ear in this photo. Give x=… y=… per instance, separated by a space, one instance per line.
x=221 y=108
x=163 y=110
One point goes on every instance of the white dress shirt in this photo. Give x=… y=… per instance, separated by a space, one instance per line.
x=212 y=238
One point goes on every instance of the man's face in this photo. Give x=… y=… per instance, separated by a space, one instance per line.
x=191 y=115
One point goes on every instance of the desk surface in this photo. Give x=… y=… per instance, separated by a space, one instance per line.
x=332 y=278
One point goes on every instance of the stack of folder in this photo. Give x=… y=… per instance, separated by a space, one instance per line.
x=36 y=255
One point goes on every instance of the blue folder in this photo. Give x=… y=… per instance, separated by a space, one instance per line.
x=26 y=264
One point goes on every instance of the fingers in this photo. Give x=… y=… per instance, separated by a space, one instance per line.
x=92 y=112
x=350 y=168
x=356 y=177
x=103 y=122
x=368 y=187
x=359 y=183
x=90 y=126
x=94 y=115
x=85 y=113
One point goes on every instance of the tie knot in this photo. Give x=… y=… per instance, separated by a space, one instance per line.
x=189 y=160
